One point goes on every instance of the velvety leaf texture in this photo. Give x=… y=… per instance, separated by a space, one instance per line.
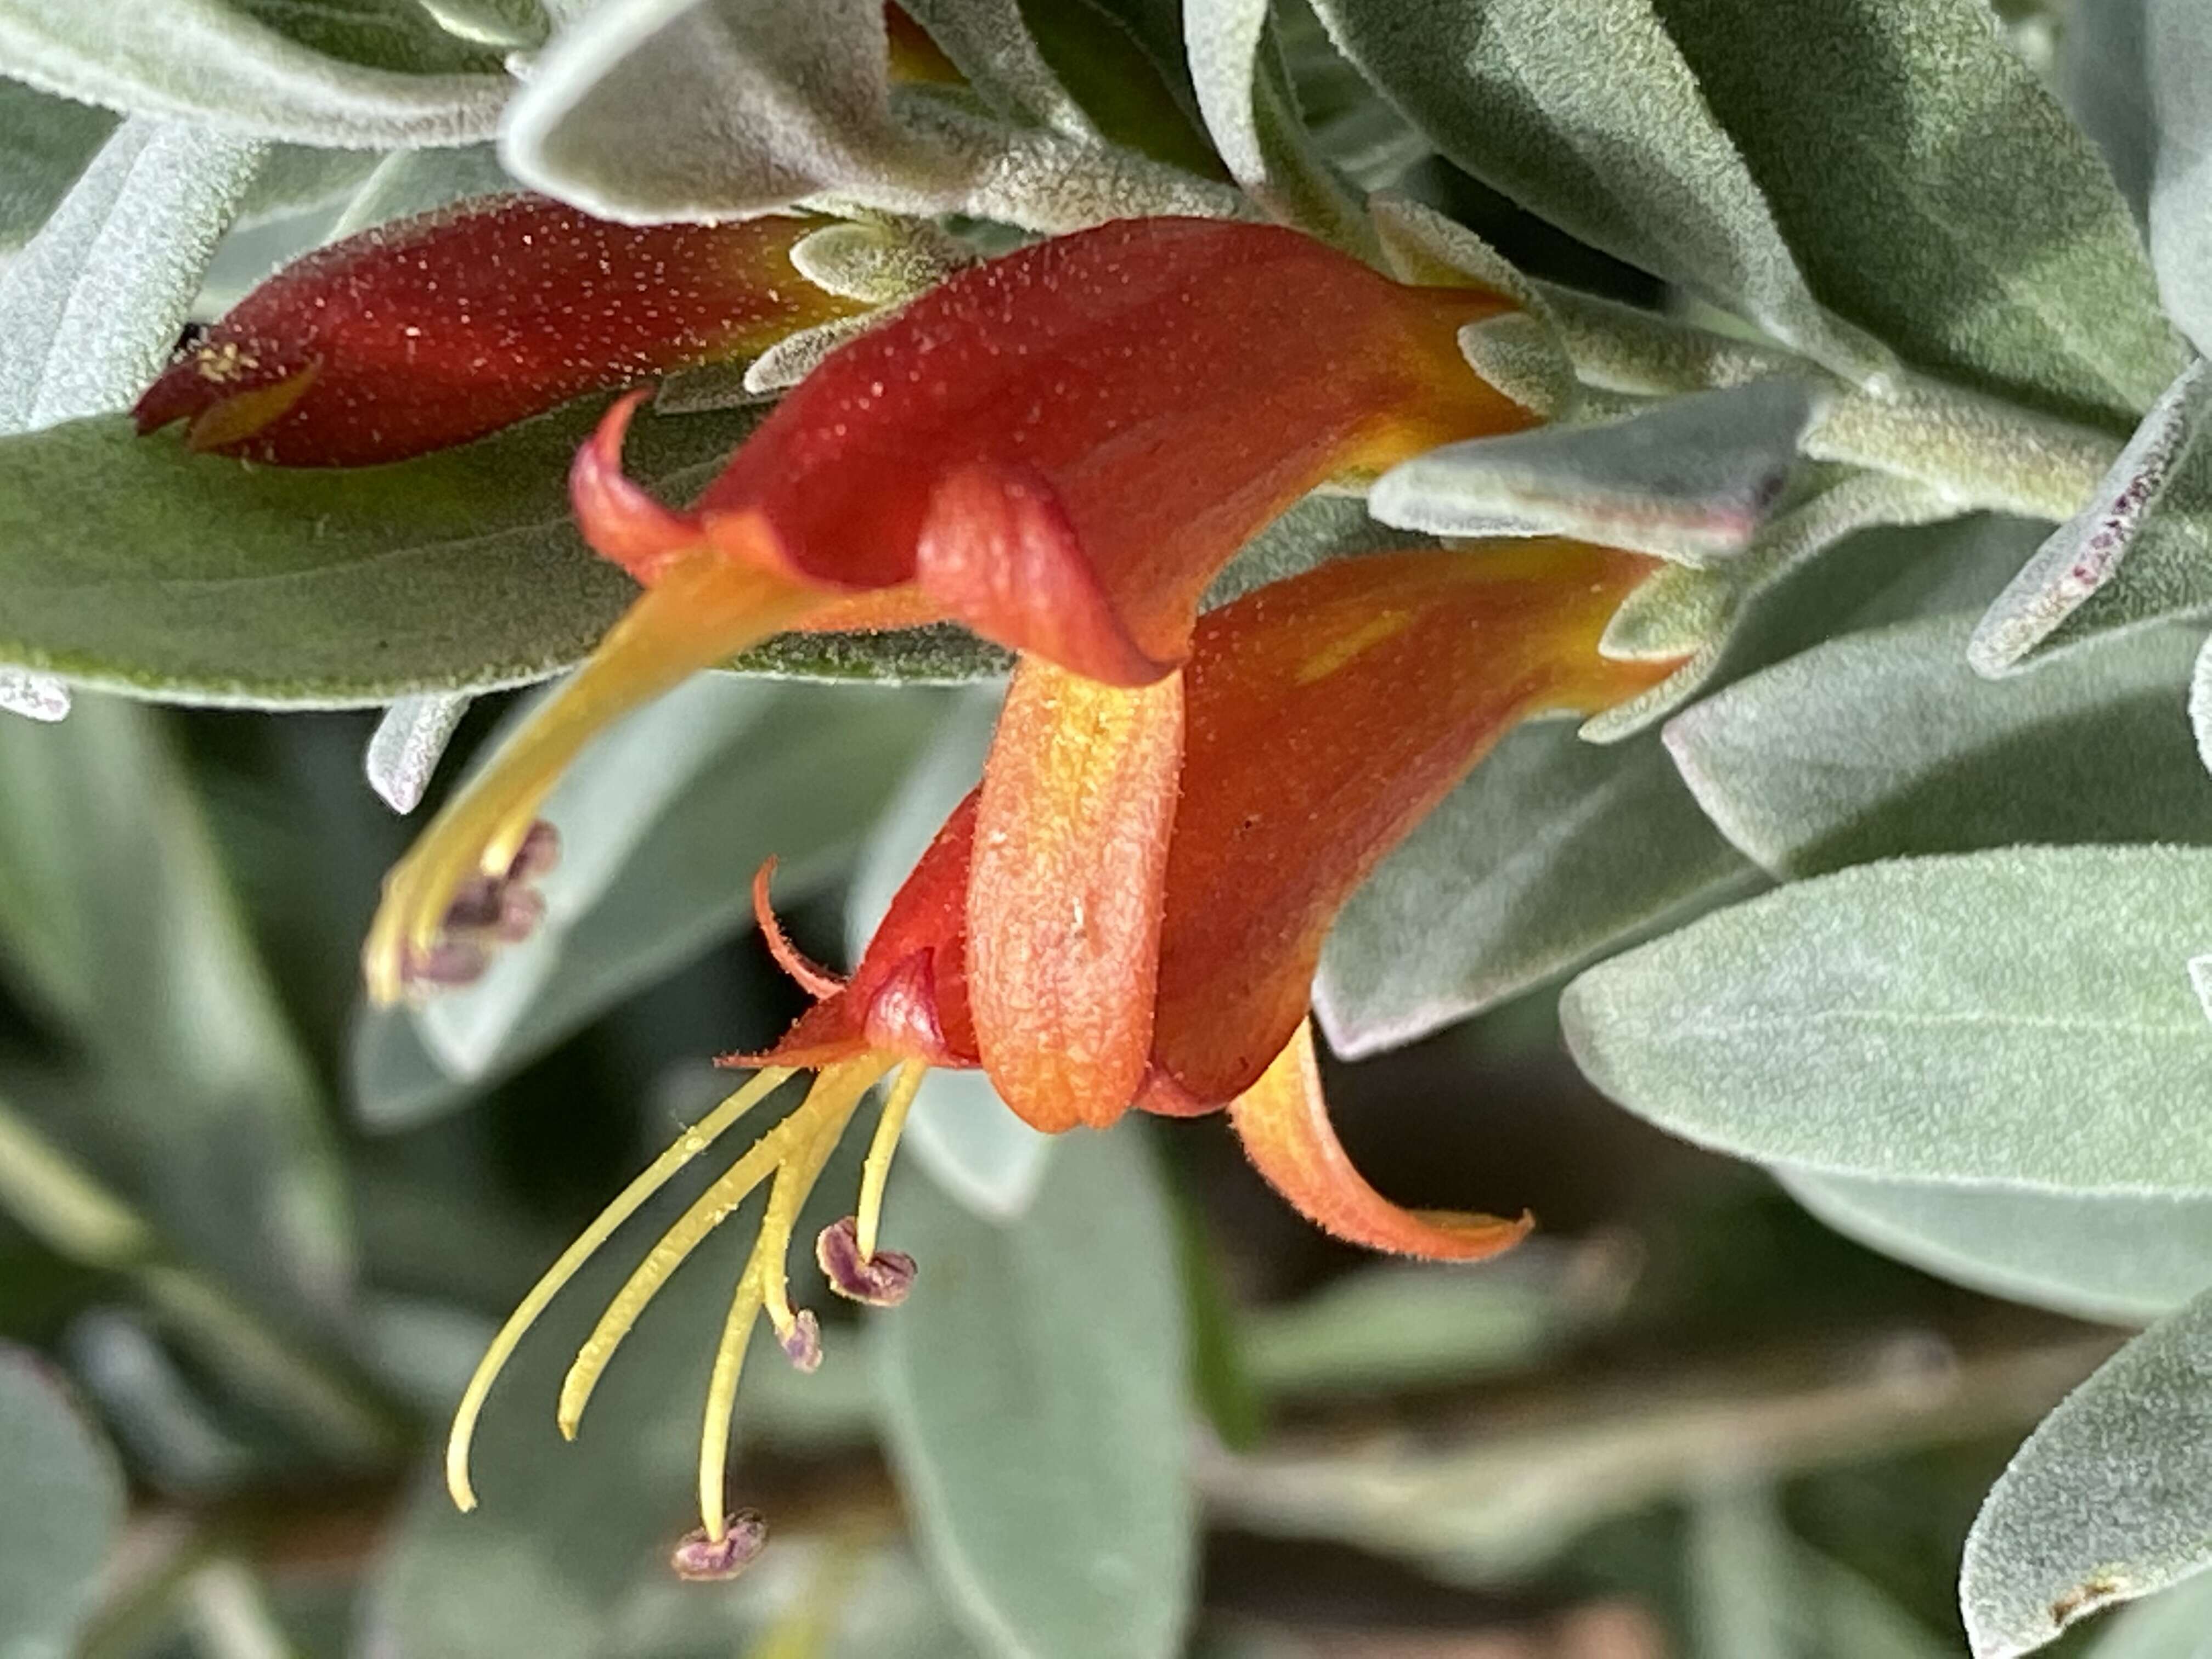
x=2125 y=1261
x=214 y=62
x=1588 y=115
x=92 y=304
x=1935 y=194
x=1887 y=742
x=44 y=144
x=2111 y=1499
x=2022 y=1016
x=1552 y=851
x=1048 y=1486
x=2140 y=549
x=2177 y=51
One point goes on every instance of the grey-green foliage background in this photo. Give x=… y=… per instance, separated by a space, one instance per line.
x=1871 y=316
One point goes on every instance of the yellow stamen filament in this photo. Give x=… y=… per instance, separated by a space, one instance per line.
x=791 y=1155
x=694 y=1141
x=702 y=612
x=877 y=1169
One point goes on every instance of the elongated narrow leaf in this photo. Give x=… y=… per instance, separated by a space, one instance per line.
x=1252 y=114
x=61 y=1510
x=2126 y=1260
x=45 y=143
x=719 y=108
x=2111 y=1499
x=1935 y=194
x=2022 y=1016
x=2139 y=550
x=211 y=61
x=195 y=1097
x=1886 y=742
x=1691 y=480
x=1034 y=1403
x=1552 y=851
x=126 y=562
x=1588 y=115
x=91 y=306
x=2177 y=50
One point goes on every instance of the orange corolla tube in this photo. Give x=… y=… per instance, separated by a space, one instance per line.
x=1325 y=714
x=1059 y=449
x=432 y=331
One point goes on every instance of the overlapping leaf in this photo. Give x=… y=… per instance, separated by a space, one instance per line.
x=217 y=63
x=1933 y=192
x=1037 y=1429
x=2109 y=1500
x=91 y=306
x=1886 y=742
x=1588 y=115
x=2022 y=1016
x=2126 y=1260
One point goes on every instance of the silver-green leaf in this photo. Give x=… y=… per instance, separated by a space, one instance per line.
x=2022 y=1016
x=1588 y=115
x=2177 y=50
x=1035 y=1408
x=2124 y=1261
x=61 y=1510
x=2109 y=1500
x=1935 y=193
x=1691 y=479
x=2139 y=549
x=91 y=306
x=1886 y=742
x=209 y=61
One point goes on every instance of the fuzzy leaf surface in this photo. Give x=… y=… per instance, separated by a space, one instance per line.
x=1886 y=742
x=1935 y=194
x=1691 y=480
x=217 y=63
x=2138 y=551
x=2177 y=50
x=2023 y=1015
x=1037 y=1429
x=45 y=143
x=2123 y=1261
x=2109 y=1500
x=1588 y=115
x=92 y=304
x=126 y=562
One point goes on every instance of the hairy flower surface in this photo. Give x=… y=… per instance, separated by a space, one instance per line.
x=1059 y=449
x=1326 y=714
x=432 y=331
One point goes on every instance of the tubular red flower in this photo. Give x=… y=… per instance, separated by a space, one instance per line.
x=1059 y=449
x=432 y=331
x=1325 y=715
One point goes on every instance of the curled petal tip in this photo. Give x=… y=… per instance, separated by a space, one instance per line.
x=619 y=520
x=881 y=1280
x=1283 y=1121
x=705 y=1559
